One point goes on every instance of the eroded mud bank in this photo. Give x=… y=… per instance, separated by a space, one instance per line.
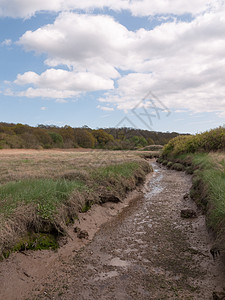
x=144 y=250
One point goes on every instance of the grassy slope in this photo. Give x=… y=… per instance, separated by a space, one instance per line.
x=44 y=191
x=208 y=188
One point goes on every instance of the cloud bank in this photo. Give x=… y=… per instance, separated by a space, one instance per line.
x=28 y=8
x=181 y=62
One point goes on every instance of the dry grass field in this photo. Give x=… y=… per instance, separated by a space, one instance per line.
x=42 y=191
x=20 y=164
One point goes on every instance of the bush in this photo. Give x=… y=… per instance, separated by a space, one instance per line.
x=56 y=139
x=159 y=160
x=178 y=167
x=169 y=164
x=212 y=140
x=189 y=170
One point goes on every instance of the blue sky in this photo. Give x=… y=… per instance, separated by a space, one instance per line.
x=157 y=66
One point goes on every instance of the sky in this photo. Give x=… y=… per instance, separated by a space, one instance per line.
x=156 y=65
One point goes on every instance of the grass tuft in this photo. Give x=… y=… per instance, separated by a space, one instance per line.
x=45 y=194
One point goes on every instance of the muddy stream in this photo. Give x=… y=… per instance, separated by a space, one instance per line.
x=138 y=249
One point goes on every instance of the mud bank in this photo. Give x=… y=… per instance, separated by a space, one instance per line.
x=25 y=273
x=139 y=249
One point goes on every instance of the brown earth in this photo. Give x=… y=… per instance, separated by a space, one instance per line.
x=144 y=250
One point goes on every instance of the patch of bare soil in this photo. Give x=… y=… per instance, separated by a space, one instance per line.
x=146 y=251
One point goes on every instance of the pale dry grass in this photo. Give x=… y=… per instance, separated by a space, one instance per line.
x=218 y=159
x=19 y=164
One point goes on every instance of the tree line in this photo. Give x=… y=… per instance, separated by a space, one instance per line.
x=51 y=136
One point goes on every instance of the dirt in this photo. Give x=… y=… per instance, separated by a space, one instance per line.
x=139 y=249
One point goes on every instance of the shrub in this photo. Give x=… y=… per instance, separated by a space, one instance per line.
x=169 y=164
x=178 y=167
x=164 y=163
x=212 y=140
x=159 y=160
x=56 y=138
x=189 y=170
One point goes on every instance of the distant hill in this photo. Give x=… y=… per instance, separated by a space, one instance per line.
x=51 y=136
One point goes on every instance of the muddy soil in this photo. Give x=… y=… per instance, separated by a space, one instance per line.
x=145 y=250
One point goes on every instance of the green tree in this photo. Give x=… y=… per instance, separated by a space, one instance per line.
x=138 y=141
x=102 y=137
x=150 y=141
x=67 y=133
x=56 y=139
x=84 y=138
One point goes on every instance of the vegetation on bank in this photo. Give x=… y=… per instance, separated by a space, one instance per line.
x=47 y=137
x=213 y=140
x=203 y=156
x=37 y=205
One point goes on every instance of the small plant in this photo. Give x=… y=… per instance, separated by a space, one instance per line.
x=169 y=164
x=178 y=167
x=86 y=207
x=159 y=160
x=34 y=241
x=189 y=170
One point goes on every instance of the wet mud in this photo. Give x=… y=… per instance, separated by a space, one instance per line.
x=146 y=251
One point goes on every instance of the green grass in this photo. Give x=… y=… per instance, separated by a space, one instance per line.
x=215 y=181
x=208 y=168
x=43 y=198
x=125 y=170
x=86 y=207
x=178 y=167
x=46 y=194
x=209 y=186
x=34 y=241
x=202 y=160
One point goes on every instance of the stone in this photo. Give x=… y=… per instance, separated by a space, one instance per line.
x=186 y=196
x=83 y=234
x=188 y=213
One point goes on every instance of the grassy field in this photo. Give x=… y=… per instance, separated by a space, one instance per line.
x=42 y=191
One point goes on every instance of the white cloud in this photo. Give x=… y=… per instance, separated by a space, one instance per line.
x=65 y=80
x=27 y=8
x=177 y=7
x=9 y=92
x=61 y=101
x=6 y=42
x=221 y=114
x=182 y=63
x=105 y=108
x=180 y=111
x=85 y=42
x=27 y=78
x=58 y=83
x=47 y=93
x=44 y=108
